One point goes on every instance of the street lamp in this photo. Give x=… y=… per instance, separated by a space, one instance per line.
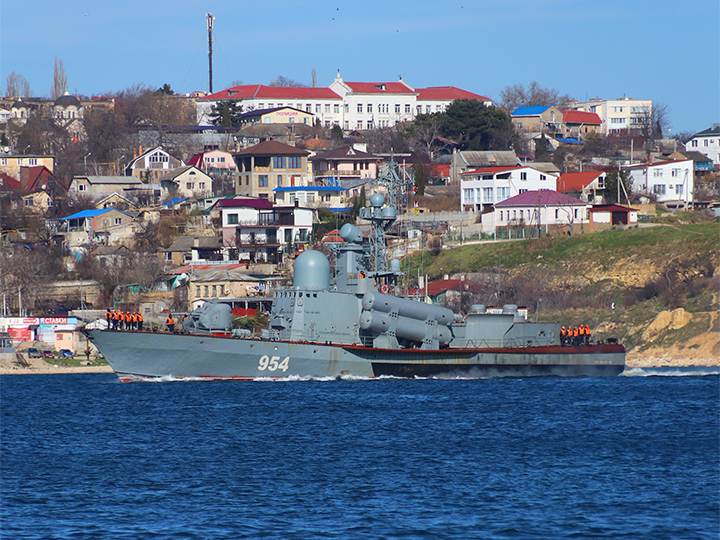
x=85 y=159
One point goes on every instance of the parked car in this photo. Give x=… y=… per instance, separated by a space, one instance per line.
x=32 y=352
x=66 y=353
x=48 y=354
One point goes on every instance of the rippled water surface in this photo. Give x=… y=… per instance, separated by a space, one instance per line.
x=636 y=456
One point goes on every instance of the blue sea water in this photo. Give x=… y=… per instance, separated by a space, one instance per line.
x=635 y=456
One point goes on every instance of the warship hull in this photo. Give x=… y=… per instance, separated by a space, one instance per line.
x=153 y=355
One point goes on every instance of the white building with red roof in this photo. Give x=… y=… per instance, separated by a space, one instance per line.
x=482 y=188
x=350 y=105
x=586 y=185
x=669 y=182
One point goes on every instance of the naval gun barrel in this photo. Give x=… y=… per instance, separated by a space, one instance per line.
x=410 y=309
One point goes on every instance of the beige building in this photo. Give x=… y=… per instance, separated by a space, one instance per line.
x=11 y=164
x=270 y=165
x=186 y=181
x=619 y=115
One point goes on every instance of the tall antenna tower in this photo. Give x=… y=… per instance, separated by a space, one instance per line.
x=210 y=18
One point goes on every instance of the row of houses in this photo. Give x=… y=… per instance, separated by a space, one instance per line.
x=670 y=182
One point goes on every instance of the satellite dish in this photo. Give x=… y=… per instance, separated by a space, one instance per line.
x=6 y=149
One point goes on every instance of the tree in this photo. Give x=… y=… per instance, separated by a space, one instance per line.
x=337 y=133
x=285 y=81
x=425 y=134
x=420 y=177
x=541 y=150
x=226 y=113
x=107 y=135
x=59 y=86
x=512 y=97
x=166 y=90
x=17 y=86
x=473 y=124
x=611 y=186
x=660 y=119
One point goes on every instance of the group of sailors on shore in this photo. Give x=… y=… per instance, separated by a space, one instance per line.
x=123 y=320
x=575 y=335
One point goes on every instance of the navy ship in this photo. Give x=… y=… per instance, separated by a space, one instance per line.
x=352 y=323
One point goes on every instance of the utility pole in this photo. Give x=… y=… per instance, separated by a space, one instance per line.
x=210 y=19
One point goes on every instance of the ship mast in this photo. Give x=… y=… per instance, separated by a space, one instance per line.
x=382 y=218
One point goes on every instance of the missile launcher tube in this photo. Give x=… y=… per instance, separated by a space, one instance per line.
x=410 y=309
x=410 y=329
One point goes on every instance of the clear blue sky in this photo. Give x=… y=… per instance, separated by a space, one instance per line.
x=661 y=50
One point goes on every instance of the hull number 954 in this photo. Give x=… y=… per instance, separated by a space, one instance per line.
x=273 y=363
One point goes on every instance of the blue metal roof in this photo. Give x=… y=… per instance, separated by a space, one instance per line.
x=174 y=201
x=310 y=188
x=569 y=140
x=533 y=110
x=91 y=213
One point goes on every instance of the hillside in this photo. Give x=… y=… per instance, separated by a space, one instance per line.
x=664 y=281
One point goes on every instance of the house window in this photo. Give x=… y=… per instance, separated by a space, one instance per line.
x=428 y=109
x=3 y=161
x=278 y=162
x=407 y=108
x=576 y=213
x=327 y=108
x=359 y=108
x=523 y=176
x=189 y=185
x=232 y=219
x=82 y=187
x=206 y=291
x=419 y=109
x=397 y=108
x=659 y=189
x=487 y=194
x=279 y=184
x=360 y=124
x=118 y=221
x=503 y=193
x=28 y=202
x=32 y=161
x=501 y=215
x=197 y=291
x=675 y=173
x=678 y=189
x=369 y=107
x=201 y=185
x=657 y=173
x=336 y=108
x=543 y=177
x=263 y=180
x=308 y=107
x=557 y=213
x=317 y=108
x=294 y=162
x=310 y=197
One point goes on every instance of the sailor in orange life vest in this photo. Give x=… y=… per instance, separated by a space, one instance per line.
x=170 y=323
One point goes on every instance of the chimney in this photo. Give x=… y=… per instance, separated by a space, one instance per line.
x=196 y=242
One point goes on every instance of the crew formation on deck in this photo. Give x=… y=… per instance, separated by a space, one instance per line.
x=123 y=320
x=575 y=335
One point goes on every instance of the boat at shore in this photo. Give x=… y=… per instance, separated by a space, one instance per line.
x=351 y=322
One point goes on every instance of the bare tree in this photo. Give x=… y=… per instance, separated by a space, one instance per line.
x=59 y=79
x=17 y=86
x=425 y=135
x=517 y=95
x=285 y=81
x=660 y=119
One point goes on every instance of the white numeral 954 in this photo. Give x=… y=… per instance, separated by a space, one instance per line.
x=273 y=364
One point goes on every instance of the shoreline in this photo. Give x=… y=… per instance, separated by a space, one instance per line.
x=49 y=369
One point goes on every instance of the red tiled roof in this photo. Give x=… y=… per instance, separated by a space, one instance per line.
x=612 y=208
x=576 y=181
x=260 y=91
x=272 y=148
x=446 y=93
x=8 y=183
x=260 y=204
x=376 y=88
x=544 y=197
x=581 y=117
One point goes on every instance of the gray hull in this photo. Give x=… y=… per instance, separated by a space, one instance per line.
x=140 y=355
